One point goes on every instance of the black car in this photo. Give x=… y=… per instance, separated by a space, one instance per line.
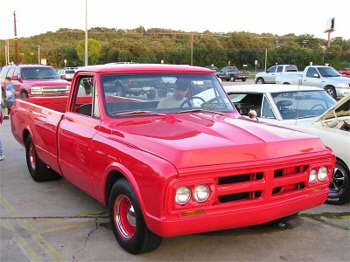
x=231 y=73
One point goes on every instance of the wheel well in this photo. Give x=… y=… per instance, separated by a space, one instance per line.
x=344 y=164
x=112 y=178
x=25 y=135
x=286 y=83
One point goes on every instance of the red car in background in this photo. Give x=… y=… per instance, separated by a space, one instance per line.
x=34 y=80
x=345 y=72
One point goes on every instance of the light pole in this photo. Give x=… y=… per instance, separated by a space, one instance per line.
x=265 y=59
x=86 y=34
x=39 y=58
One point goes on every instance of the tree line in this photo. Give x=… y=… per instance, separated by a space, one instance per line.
x=154 y=45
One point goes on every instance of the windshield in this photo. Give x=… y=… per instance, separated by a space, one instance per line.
x=39 y=73
x=328 y=72
x=302 y=104
x=149 y=94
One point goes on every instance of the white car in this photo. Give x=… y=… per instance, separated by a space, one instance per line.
x=307 y=109
x=269 y=77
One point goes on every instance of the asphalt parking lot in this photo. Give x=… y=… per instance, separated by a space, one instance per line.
x=54 y=221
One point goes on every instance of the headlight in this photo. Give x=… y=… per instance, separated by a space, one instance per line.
x=201 y=193
x=322 y=173
x=36 y=90
x=313 y=176
x=183 y=195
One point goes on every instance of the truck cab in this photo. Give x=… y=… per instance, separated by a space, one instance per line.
x=269 y=77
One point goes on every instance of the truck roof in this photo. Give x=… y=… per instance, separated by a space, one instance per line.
x=269 y=88
x=154 y=68
x=31 y=65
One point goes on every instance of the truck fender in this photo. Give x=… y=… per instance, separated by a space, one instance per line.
x=23 y=136
x=118 y=167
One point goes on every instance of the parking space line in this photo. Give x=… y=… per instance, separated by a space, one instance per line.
x=22 y=243
x=35 y=236
x=64 y=227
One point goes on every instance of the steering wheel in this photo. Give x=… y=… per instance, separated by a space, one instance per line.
x=189 y=100
x=318 y=105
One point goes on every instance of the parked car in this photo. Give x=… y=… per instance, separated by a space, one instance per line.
x=269 y=77
x=67 y=73
x=167 y=167
x=345 y=72
x=307 y=109
x=231 y=73
x=34 y=80
x=321 y=76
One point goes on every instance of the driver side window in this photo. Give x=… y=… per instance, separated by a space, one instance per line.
x=272 y=69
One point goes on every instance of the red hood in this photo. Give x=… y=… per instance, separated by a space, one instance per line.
x=190 y=140
x=46 y=82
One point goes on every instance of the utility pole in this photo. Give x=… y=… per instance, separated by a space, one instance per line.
x=39 y=58
x=16 y=42
x=5 y=49
x=265 y=59
x=86 y=34
x=192 y=49
x=8 y=51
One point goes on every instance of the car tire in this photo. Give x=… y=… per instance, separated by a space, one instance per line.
x=128 y=224
x=260 y=81
x=24 y=94
x=331 y=91
x=38 y=170
x=232 y=79
x=244 y=79
x=340 y=186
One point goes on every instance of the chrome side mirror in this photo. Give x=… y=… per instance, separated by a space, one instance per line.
x=253 y=114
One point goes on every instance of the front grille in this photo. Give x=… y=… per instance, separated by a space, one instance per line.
x=55 y=90
x=261 y=184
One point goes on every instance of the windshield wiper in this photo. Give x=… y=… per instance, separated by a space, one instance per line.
x=200 y=110
x=139 y=113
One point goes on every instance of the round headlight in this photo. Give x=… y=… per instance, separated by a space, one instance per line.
x=322 y=173
x=313 y=176
x=201 y=193
x=183 y=195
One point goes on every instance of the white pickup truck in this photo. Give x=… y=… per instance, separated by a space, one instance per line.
x=269 y=77
x=325 y=77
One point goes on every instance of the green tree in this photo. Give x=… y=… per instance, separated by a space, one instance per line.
x=94 y=50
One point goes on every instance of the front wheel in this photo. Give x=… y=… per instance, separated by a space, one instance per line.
x=129 y=227
x=244 y=79
x=339 y=190
x=331 y=91
x=232 y=78
x=260 y=81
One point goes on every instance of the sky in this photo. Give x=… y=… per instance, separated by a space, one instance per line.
x=256 y=16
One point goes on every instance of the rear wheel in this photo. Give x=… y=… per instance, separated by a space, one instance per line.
x=339 y=189
x=331 y=91
x=260 y=81
x=38 y=169
x=129 y=227
x=244 y=79
x=232 y=78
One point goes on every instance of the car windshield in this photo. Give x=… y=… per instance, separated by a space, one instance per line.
x=39 y=73
x=328 y=72
x=302 y=104
x=147 y=94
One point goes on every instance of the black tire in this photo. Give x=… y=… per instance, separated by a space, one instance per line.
x=331 y=91
x=233 y=78
x=260 y=80
x=340 y=186
x=286 y=83
x=244 y=79
x=141 y=240
x=38 y=170
x=24 y=94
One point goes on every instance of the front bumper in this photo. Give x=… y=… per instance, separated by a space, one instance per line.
x=242 y=216
x=341 y=92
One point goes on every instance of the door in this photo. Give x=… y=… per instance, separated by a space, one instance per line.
x=271 y=75
x=76 y=133
x=312 y=77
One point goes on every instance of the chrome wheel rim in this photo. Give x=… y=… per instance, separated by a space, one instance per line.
x=124 y=217
x=338 y=181
x=32 y=157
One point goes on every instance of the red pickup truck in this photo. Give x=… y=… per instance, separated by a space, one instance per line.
x=34 y=80
x=345 y=72
x=180 y=162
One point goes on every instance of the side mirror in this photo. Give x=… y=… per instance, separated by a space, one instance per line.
x=253 y=114
x=14 y=77
x=316 y=75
